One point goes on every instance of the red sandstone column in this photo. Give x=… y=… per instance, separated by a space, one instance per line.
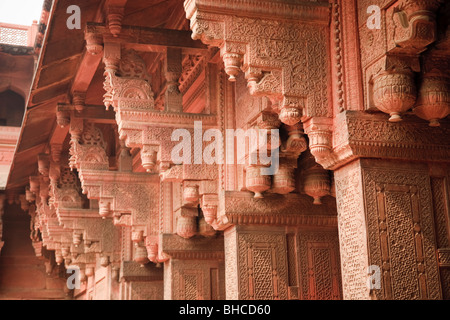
x=385 y=218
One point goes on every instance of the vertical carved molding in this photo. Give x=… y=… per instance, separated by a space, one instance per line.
x=352 y=232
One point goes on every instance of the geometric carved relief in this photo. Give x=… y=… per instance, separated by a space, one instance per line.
x=260 y=257
x=401 y=232
x=320 y=274
x=397 y=218
x=442 y=227
x=196 y=279
x=445 y=280
x=441 y=214
x=139 y=290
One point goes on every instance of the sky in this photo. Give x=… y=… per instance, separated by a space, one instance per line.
x=21 y=12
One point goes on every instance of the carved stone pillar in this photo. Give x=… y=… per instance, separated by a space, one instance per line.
x=386 y=231
x=195 y=270
x=256 y=263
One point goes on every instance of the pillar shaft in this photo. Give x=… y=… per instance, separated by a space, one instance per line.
x=385 y=218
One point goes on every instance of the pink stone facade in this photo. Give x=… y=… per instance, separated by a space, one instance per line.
x=357 y=208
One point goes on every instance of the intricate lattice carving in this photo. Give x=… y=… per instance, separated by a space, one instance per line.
x=392 y=198
x=260 y=259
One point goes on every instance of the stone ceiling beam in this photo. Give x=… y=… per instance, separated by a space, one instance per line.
x=144 y=39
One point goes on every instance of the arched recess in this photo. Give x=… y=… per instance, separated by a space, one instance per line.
x=12 y=108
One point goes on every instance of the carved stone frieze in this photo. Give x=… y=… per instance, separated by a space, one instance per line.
x=240 y=208
x=272 y=52
x=358 y=135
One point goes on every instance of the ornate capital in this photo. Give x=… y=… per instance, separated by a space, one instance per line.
x=277 y=52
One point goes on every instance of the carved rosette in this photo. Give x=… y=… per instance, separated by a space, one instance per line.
x=433 y=102
x=317 y=183
x=394 y=92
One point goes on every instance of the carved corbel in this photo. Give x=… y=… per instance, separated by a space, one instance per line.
x=62 y=118
x=320 y=134
x=130 y=198
x=94 y=40
x=78 y=101
x=55 y=152
x=415 y=24
x=44 y=164
x=186 y=221
x=433 y=102
x=394 y=92
x=154 y=251
x=88 y=147
x=126 y=81
x=149 y=157
x=261 y=153
x=115 y=17
x=232 y=54
x=317 y=183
